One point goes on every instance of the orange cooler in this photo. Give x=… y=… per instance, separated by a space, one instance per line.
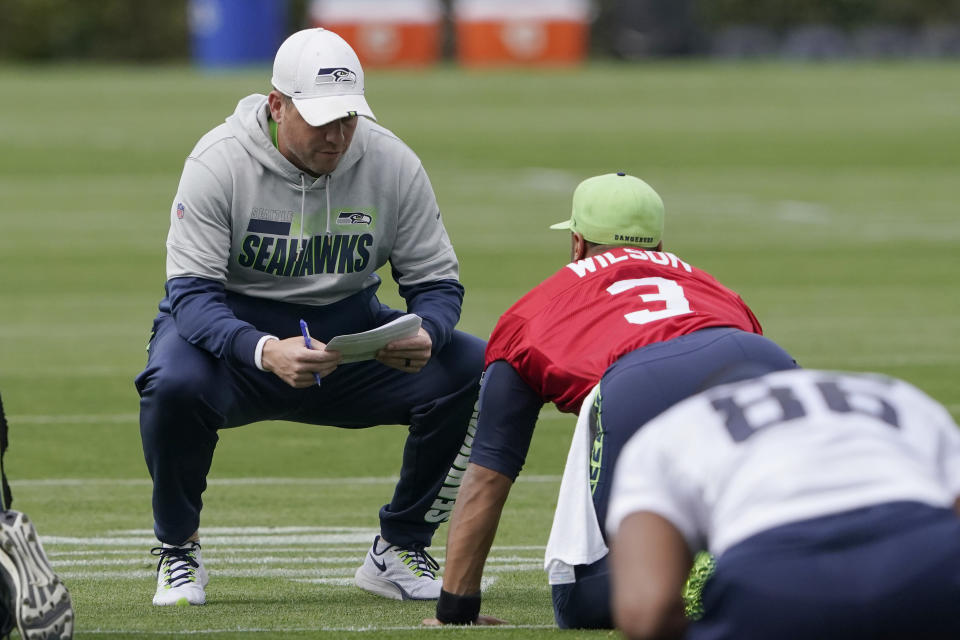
x=526 y=32
x=385 y=33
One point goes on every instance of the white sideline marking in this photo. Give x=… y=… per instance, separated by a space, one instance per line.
x=322 y=555
x=148 y=570
x=336 y=582
x=217 y=560
x=138 y=550
x=265 y=541
x=116 y=418
x=802 y=212
x=485 y=582
x=549 y=180
x=264 y=530
x=872 y=361
x=222 y=559
x=276 y=630
x=232 y=482
x=83 y=418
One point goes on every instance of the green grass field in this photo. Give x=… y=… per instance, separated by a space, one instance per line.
x=825 y=195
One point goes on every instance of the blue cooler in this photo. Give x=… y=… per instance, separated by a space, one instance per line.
x=232 y=33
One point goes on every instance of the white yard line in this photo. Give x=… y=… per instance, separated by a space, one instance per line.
x=485 y=582
x=280 y=630
x=137 y=550
x=223 y=541
x=231 y=541
x=147 y=569
x=230 y=482
x=224 y=559
x=83 y=418
x=323 y=555
x=116 y=418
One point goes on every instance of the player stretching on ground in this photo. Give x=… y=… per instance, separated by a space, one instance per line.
x=831 y=502
x=643 y=323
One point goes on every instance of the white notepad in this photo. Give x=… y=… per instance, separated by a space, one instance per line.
x=356 y=347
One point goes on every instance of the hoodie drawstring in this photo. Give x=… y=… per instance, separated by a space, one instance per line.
x=303 y=213
x=326 y=190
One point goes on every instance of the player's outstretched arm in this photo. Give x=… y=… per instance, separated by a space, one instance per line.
x=472 y=529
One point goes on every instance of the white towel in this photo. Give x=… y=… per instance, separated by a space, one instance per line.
x=575 y=537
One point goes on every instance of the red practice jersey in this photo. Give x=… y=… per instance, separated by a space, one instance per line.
x=565 y=332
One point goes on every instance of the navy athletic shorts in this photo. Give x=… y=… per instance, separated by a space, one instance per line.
x=890 y=571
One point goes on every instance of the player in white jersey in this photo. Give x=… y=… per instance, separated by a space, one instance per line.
x=830 y=500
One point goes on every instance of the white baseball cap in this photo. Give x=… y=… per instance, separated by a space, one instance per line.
x=319 y=70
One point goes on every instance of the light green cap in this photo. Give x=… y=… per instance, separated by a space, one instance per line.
x=616 y=209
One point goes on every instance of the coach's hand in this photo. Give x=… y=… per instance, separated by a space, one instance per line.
x=291 y=361
x=482 y=621
x=408 y=354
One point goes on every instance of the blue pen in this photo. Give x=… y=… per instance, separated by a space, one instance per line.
x=306 y=341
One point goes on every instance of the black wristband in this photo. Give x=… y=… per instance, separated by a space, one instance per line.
x=454 y=609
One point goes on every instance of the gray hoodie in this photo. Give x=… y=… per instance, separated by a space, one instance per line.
x=246 y=217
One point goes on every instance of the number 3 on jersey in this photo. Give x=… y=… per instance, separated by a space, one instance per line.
x=667 y=292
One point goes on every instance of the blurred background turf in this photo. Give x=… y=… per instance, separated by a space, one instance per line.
x=824 y=194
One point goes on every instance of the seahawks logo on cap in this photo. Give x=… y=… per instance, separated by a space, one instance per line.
x=335 y=74
x=354 y=217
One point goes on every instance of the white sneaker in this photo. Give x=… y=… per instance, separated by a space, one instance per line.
x=181 y=575
x=397 y=573
x=40 y=601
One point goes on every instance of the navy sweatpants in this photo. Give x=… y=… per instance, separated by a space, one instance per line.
x=187 y=396
x=635 y=389
x=890 y=571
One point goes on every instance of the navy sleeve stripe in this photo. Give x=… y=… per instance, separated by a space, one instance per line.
x=272 y=227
